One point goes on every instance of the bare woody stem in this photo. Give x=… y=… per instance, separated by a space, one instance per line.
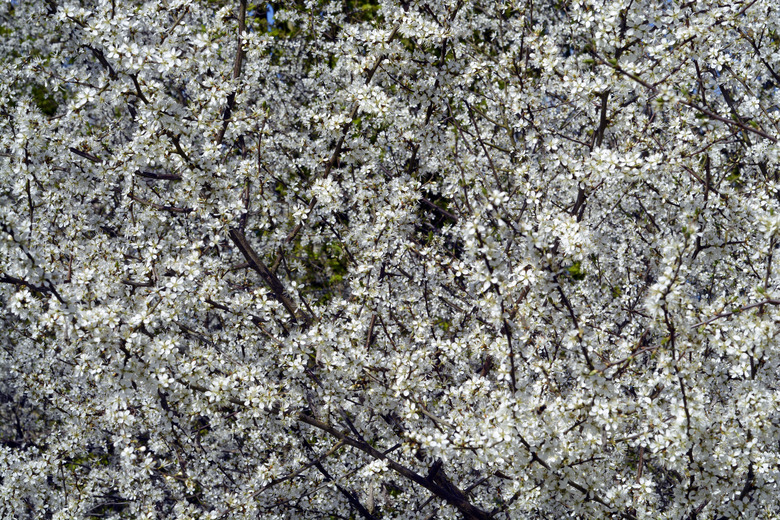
x=334 y=158
x=768 y=301
x=270 y=279
x=231 y=99
x=436 y=482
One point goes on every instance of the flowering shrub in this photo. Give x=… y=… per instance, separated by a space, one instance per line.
x=389 y=259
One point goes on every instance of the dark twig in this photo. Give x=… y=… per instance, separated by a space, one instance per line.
x=159 y=176
x=270 y=279
x=437 y=483
x=48 y=288
x=231 y=99
x=171 y=209
x=86 y=155
x=768 y=301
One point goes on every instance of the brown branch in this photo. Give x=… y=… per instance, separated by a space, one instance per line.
x=768 y=301
x=349 y=495
x=370 y=335
x=722 y=119
x=436 y=482
x=443 y=212
x=576 y=323
x=690 y=104
x=231 y=99
x=159 y=176
x=176 y=140
x=336 y=152
x=287 y=477
x=578 y=209
x=171 y=209
x=508 y=333
x=270 y=279
x=598 y=137
x=176 y=23
x=103 y=61
x=131 y=283
x=37 y=288
x=138 y=91
x=86 y=155
x=640 y=463
x=482 y=143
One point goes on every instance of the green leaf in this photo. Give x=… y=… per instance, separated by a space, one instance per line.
x=576 y=272
x=44 y=100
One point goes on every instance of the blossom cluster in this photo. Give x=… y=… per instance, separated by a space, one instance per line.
x=389 y=259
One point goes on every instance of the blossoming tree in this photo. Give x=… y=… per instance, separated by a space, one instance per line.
x=396 y=259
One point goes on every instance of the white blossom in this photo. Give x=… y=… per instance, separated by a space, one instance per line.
x=389 y=259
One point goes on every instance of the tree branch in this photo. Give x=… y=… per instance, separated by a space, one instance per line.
x=270 y=279
x=768 y=301
x=231 y=99
x=37 y=288
x=438 y=483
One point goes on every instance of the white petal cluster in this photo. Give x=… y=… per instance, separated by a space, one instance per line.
x=389 y=259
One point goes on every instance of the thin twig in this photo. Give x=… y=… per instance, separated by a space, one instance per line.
x=768 y=301
x=171 y=209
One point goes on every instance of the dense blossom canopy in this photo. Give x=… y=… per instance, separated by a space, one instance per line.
x=389 y=259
